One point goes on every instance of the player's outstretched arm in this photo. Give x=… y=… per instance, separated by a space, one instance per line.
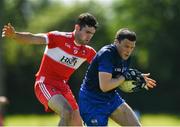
x=24 y=37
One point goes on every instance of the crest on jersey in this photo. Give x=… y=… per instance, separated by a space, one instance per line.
x=68 y=45
x=84 y=52
x=94 y=122
x=75 y=50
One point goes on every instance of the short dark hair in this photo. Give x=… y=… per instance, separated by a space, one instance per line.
x=87 y=19
x=125 y=33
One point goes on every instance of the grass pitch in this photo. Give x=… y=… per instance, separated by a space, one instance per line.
x=52 y=120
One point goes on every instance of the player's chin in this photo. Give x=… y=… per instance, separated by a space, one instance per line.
x=125 y=57
x=85 y=42
x=82 y=42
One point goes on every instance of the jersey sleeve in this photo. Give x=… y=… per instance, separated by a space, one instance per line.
x=53 y=38
x=105 y=62
x=91 y=55
x=43 y=35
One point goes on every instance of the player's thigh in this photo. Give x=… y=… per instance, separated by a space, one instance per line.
x=125 y=116
x=76 y=114
x=58 y=103
x=76 y=118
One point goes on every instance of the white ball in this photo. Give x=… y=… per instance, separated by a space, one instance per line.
x=127 y=86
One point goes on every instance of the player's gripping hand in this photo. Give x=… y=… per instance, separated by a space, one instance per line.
x=137 y=78
x=8 y=31
x=132 y=74
x=140 y=80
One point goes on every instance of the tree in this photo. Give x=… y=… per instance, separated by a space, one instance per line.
x=2 y=88
x=157 y=25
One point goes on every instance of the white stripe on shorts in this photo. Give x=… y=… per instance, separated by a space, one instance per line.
x=44 y=90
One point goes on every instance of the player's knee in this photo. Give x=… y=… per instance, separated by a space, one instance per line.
x=137 y=122
x=67 y=112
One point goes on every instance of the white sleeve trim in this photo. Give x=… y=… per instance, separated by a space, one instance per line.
x=47 y=39
x=45 y=36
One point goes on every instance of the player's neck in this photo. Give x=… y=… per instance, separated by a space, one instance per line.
x=75 y=39
x=76 y=43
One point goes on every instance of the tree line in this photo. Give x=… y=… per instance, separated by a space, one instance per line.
x=156 y=23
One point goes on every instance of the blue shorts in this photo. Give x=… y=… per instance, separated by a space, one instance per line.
x=96 y=111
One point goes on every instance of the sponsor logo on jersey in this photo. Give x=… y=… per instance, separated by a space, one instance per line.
x=63 y=57
x=69 y=61
x=120 y=69
x=117 y=69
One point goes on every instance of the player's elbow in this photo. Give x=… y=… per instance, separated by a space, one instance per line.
x=104 y=88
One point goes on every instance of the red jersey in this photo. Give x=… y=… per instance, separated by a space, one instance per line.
x=62 y=56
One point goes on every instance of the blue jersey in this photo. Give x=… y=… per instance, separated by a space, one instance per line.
x=96 y=106
x=106 y=60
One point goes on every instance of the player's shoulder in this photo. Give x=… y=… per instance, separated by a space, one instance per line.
x=61 y=34
x=108 y=49
x=87 y=47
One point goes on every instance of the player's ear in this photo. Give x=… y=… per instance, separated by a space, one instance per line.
x=77 y=27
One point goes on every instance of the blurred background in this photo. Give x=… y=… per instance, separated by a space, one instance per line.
x=156 y=22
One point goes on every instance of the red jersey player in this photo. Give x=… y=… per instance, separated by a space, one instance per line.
x=64 y=53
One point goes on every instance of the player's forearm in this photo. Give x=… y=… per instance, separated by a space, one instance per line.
x=111 y=84
x=29 y=38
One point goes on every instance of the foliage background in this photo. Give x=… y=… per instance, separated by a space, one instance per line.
x=156 y=23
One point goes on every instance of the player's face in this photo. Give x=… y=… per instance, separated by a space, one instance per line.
x=84 y=35
x=125 y=48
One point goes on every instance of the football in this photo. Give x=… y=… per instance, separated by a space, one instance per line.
x=132 y=86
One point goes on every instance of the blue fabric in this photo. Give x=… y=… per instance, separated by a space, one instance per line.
x=96 y=106
x=106 y=60
x=96 y=112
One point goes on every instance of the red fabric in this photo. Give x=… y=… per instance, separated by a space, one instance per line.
x=44 y=90
x=62 y=56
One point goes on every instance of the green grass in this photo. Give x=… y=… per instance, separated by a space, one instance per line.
x=160 y=120
x=31 y=120
x=52 y=120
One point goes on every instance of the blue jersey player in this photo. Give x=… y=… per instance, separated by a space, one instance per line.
x=98 y=97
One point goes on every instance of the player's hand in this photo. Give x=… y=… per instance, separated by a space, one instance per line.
x=127 y=75
x=150 y=83
x=132 y=74
x=8 y=31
